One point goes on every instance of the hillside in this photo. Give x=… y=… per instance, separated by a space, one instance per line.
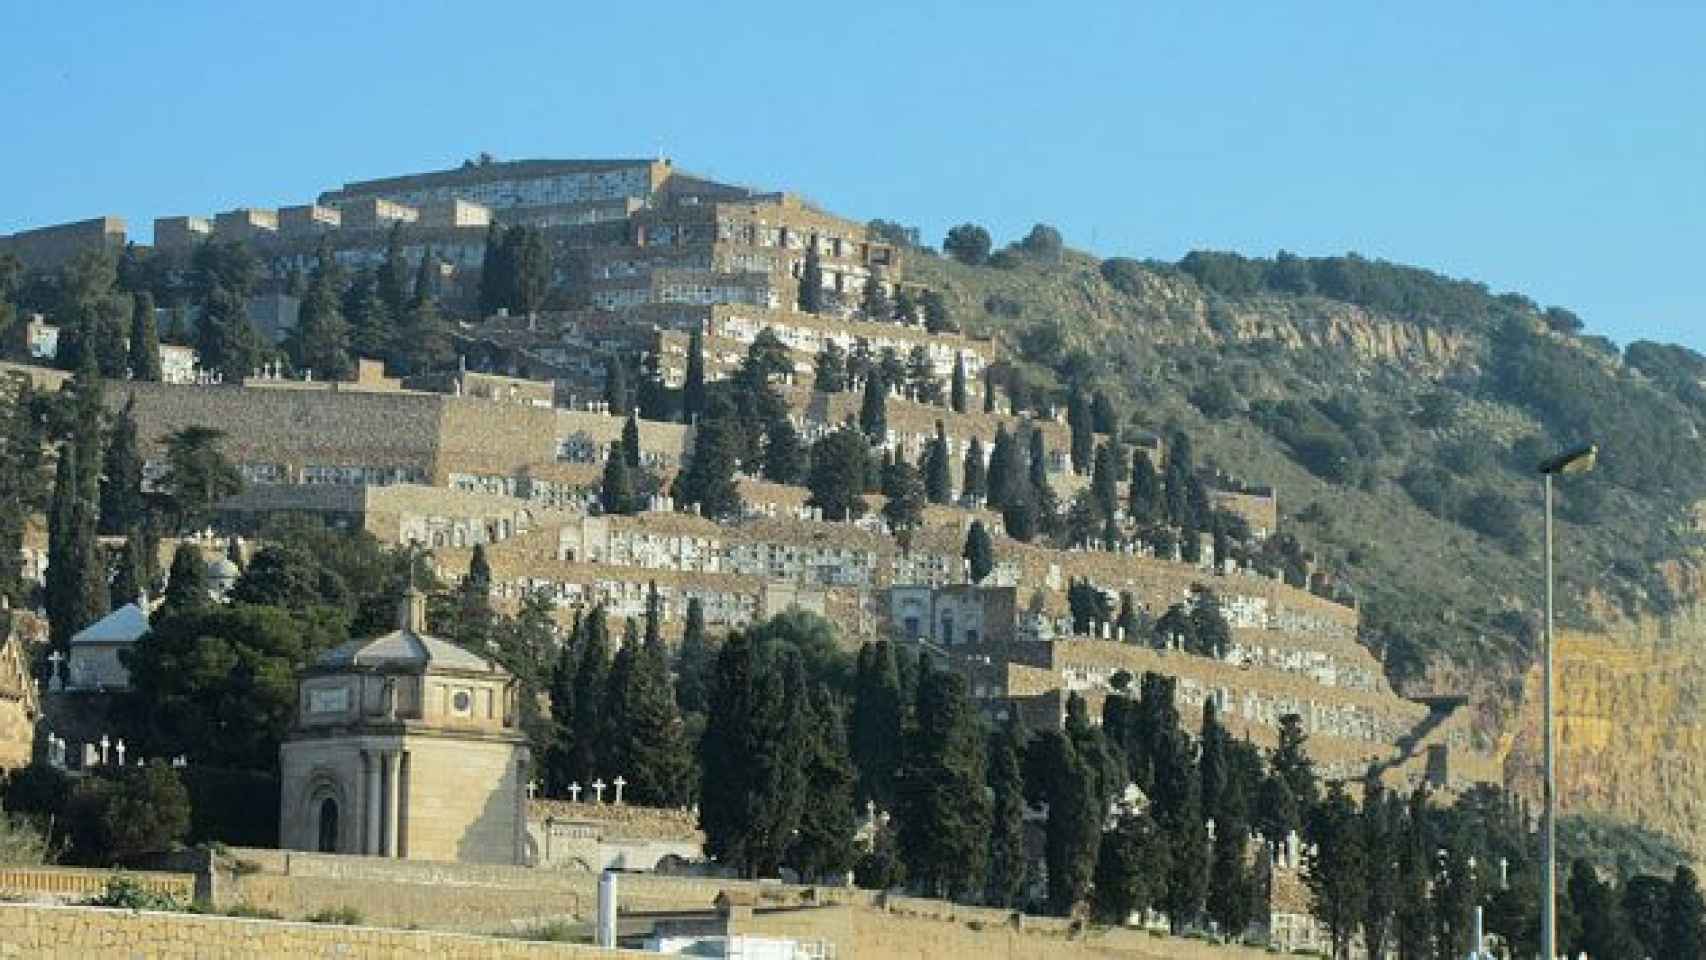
x=1401 y=431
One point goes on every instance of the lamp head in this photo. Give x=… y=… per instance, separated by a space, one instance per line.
x=1578 y=460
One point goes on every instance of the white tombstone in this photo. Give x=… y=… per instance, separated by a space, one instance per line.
x=91 y=755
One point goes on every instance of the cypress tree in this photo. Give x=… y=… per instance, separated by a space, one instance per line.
x=726 y=774
x=422 y=340
x=1290 y=760
x=829 y=370
x=1143 y=502
x=186 y=583
x=979 y=552
x=874 y=302
x=944 y=809
x=1130 y=861
x=1380 y=867
x=972 y=473
x=144 y=340
x=1177 y=800
x=938 y=482
x=644 y=742
x=616 y=386
x=1038 y=461
x=129 y=580
x=1415 y=854
x=693 y=661
x=392 y=279
x=532 y=270
x=1001 y=467
x=369 y=317
x=1007 y=858
x=1684 y=934
x=811 y=282
x=693 y=388
x=873 y=419
x=1083 y=436
x=557 y=761
x=988 y=390
x=1178 y=481
x=321 y=339
x=876 y=724
x=1103 y=482
x=1067 y=783
x=778 y=767
x=957 y=386
x=1334 y=873
x=1231 y=891
x=426 y=276
x=122 y=505
x=903 y=508
x=76 y=592
x=822 y=847
x=591 y=678
x=631 y=442
x=1212 y=760
x=616 y=491
x=21 y=486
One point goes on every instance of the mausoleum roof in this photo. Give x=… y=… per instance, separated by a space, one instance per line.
x=408 y=647
x=127 y=624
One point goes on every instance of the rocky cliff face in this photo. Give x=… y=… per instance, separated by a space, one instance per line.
x=1631 y=728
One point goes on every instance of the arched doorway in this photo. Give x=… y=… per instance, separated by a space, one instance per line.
x=328 y=842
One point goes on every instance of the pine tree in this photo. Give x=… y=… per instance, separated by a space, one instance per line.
x=972 y=481
x=873 y=419
x=644 y=742
x=938 y=481
x=144 y=340
x=693 y=388
x=822 y=848
x=616 y=386
x=591 y=679
x=839 y=464
x=876 y=724
x=874 y=302
x=708 y=479
x=944 y=810
x=122 y=504
x=422 y=341
x=693 y=661
x=811 y=282
x=978 y=552
x=1007 y=857
x=957 y=386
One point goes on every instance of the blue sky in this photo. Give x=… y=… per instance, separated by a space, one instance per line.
x=1553 y=148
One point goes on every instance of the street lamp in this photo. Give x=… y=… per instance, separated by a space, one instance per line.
x=1578 y=460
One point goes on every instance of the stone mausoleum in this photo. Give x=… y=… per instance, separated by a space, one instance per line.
x=406 y=746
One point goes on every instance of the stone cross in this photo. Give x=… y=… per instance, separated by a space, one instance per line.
x=53 y=681
x=598 y=790
x=105 y=743
x=618 y=783
x=120 y=749
x=871 y=810
x=532 y=788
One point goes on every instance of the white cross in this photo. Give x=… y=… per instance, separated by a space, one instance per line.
x=532 y=788
x=575 y=792
x=55 y=658
x=871 y=810
x=105 y=743
x=120 y=749
x=619 y=783
x=598 y=788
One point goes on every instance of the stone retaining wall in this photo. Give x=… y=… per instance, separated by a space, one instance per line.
x=73 y=882
x=37 y=931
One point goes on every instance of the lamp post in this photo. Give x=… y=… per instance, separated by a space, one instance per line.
x=1578 y=460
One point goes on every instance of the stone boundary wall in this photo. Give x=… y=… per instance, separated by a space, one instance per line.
x=622 y=822
x=37 y=931
x=80 y=882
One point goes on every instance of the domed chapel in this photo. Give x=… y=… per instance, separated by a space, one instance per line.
x=405 y=746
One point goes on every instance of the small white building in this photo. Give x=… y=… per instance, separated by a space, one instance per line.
x=94 y=663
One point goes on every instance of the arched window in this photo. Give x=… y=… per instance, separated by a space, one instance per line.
x=328 y=826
